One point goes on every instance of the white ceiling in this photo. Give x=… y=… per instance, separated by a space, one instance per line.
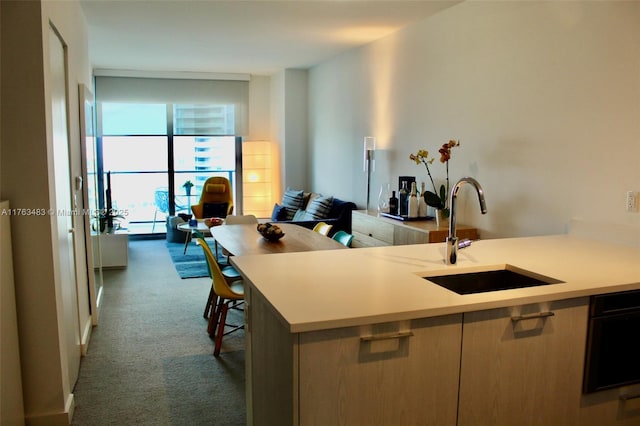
x=256 y=37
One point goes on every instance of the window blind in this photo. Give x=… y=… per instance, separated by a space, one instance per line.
x=177 y=91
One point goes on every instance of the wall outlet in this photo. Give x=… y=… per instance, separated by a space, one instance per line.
x=632 y=201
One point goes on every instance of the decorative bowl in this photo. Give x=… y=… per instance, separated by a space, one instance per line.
x=270 y=231
x=213 y=221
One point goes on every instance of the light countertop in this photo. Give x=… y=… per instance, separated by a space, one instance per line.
x=330 y=289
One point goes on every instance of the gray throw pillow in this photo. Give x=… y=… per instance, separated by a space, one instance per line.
x=292 y=201
x=319 y=208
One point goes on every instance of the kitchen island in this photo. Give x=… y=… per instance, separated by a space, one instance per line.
x=360 y=337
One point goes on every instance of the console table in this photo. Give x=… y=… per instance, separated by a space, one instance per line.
x=371 y=230
x=114 y=249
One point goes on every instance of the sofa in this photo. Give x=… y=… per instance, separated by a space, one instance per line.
x=308 y=209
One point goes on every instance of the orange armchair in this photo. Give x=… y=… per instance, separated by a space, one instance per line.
x=215 y=190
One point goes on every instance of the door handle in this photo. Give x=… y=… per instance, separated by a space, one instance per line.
x=387 y=336
x=532 y=316
x=627 y=397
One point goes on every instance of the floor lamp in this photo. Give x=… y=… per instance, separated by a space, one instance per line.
x=369 y=162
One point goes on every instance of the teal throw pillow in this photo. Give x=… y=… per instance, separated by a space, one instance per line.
x=300 y=215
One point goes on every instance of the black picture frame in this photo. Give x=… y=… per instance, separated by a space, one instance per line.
x=408 y=179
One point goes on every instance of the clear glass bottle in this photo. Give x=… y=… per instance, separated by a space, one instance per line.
x=383 y=198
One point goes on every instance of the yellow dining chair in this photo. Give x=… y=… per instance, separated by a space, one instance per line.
x=323 y=228
x=343 y=237
x=225 y=295
x=230 y=274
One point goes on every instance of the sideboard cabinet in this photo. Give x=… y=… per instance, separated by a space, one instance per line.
x=371 y=230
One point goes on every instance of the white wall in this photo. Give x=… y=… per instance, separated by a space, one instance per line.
x=11 y=404
x=544 y=97
x=289 y=117
x=27 y=181
x=276 y=116
x=259 y=107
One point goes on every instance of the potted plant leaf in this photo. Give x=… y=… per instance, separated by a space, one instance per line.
x=187 y=187
x=108 y=221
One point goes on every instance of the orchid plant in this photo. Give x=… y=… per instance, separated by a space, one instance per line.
x=436 y=199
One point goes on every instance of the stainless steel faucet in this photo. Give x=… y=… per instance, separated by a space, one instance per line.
x=452 y=240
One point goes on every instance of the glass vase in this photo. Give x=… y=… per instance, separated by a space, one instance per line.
x=441 y=216
x=383 y=198
x=440 y=220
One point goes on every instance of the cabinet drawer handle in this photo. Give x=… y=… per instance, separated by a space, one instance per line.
x=387 y=336
x=532 y=316
x=627 y=397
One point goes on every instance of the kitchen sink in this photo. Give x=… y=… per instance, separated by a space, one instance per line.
x=502 y=277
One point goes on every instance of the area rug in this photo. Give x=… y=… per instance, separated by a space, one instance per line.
x=190 y=265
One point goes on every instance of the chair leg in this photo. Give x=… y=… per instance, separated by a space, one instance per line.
x=211 y=302
x=187 y=240
x=223 y=319
x=217 y=252
x=154 y=221
x=214 y=317
x=207 y=307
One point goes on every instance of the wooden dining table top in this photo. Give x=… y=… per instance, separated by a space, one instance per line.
x=244 y=239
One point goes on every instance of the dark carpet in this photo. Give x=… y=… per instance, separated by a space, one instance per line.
x=150 y=360
x=189 y=265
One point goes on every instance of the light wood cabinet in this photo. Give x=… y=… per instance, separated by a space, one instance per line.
x=371 y=230
x=523 y=371
x=394 y=373
x=271 y=381
x=530 y=372
x=368 y=231
x=611 y=407
x=521 y=365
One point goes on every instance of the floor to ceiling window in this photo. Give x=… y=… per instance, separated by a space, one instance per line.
x=148 y=151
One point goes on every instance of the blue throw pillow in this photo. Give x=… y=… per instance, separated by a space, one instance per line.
x=319 y=208
x=279 y=213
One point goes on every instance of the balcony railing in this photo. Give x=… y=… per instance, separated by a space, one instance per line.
x=133 y=195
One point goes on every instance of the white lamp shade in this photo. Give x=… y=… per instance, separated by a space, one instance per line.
x=369 y=149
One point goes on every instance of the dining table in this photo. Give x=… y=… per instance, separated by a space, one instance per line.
x=244 y=239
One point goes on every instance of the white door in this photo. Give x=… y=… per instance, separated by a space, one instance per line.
x=63 y=203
